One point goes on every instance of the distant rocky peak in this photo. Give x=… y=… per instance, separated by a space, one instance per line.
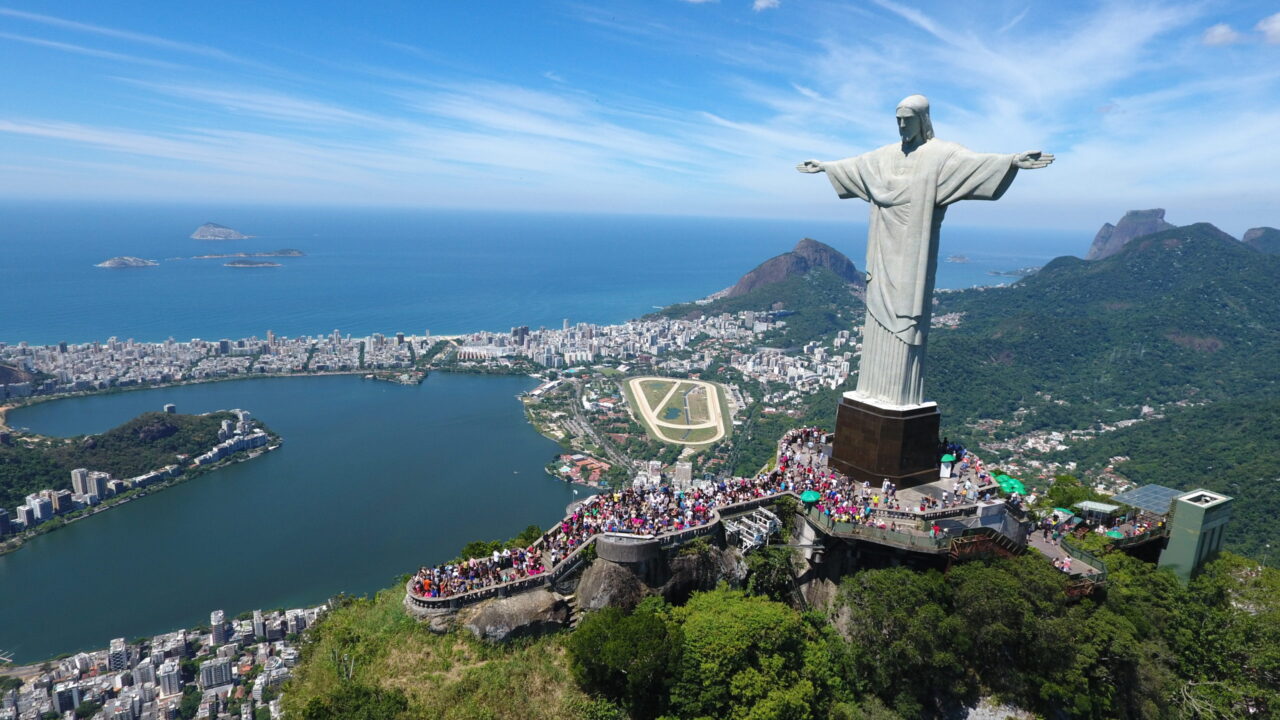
x=1111 y=239
x=1263 y=239
x=809 y=254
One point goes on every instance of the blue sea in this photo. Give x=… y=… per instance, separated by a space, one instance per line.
x=394 y=270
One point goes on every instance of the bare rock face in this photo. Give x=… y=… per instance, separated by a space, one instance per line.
x=1263 y=239
x=807 y=255
x=607 y=583
x=697 y=572
x=535 y=612
x=1111 y=239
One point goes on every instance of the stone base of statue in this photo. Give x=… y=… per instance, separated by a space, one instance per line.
x=874 y=442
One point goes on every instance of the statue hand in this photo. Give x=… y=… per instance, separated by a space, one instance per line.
x=810 y=166
x=1033 y=160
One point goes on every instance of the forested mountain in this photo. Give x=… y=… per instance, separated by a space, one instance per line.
x=809 y=254
x=148 y=442
x=1183 y=314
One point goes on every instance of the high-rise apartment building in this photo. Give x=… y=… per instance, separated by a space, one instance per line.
x=118 y=655
x=170 y=677
x=80 y=481
x=218 y=627
x=215 y=673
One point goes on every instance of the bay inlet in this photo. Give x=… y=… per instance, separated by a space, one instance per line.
x=373 y=480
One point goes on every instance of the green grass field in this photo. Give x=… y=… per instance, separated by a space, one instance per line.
x=655 y=390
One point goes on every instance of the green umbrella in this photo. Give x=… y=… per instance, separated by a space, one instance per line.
x=948 y=458
x=1002 y=478
x=1064 y=511
x=810 y=496
x=1115 y=534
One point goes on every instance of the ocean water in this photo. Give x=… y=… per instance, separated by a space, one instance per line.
x=390 y=271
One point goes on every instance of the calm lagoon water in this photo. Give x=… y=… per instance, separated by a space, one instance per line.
x=373 y=481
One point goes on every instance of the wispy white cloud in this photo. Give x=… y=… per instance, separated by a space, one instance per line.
x=759 y=5
x=87 y=51
x=1221 y=34
x=120 y=34
x=267 y=104
x=1270 y=28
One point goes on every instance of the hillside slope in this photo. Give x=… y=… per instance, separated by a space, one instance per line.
x=1180 y=314
x=808 y=255
x=148 y=442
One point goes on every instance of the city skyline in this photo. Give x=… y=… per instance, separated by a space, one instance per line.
x=696 y=108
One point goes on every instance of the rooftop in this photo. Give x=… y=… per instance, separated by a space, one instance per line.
x=1152 y=498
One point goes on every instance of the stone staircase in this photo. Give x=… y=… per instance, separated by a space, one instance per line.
x=575 y=613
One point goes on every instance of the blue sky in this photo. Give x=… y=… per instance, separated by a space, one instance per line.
x=663 y=106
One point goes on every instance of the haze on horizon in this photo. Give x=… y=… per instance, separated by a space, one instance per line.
x=697 y=108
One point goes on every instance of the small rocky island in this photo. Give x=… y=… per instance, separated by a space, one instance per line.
x=957 y=259
x=251 y=264
x=127 y=261
x=286 y=252
x=214 y=231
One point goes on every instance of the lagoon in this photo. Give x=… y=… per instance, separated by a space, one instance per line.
x=373 y=480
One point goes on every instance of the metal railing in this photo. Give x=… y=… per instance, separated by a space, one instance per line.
x=1086 y=557
x=897 y=538
x=574 y=560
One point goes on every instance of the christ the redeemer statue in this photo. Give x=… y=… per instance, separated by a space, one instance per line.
x=909 y=185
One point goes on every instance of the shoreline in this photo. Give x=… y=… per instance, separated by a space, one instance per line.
x=19 y=541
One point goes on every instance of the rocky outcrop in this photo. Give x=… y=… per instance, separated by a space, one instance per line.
x=1263 y=239
x=1111 y=239
x=609 y=584
x=214 y=231
x=535 y=612
x=807 y=255
x=127 y=261
x=675 y=578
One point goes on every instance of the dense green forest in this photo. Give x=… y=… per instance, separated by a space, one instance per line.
x=148 y=442
x=1187 y=313
x=894 y=643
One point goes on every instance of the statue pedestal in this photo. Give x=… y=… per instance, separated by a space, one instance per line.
x=875 y=442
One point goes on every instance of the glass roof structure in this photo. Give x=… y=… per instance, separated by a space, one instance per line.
x=1152 y=498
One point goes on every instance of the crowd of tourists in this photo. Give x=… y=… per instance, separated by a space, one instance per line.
x=478 y=573
x=664 y=510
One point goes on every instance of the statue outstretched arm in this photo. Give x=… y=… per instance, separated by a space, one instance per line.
x=812 y=166
x=1030 y=160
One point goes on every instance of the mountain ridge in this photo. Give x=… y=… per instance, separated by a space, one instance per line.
x=808 y=255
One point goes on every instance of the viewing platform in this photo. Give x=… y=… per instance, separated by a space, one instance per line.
x=949 y=519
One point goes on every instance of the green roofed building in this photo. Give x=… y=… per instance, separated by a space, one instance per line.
x=1195 y=531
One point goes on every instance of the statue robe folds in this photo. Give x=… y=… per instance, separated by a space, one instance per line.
x=909 y=194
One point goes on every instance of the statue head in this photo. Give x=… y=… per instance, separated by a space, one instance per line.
x=913 y=119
